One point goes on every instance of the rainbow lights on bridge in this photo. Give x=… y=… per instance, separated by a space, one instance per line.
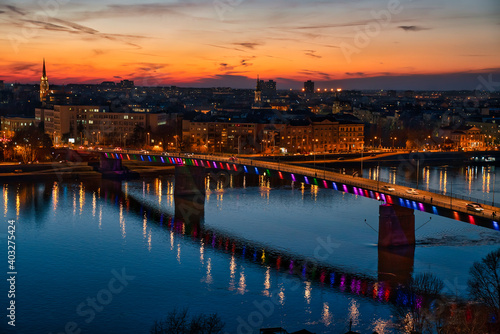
x=313 y=181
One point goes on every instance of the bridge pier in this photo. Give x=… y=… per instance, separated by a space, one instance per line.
x=189 y=194
x=110 y=165
x=396 y=226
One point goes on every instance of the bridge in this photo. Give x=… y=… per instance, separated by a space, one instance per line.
x=396 y=213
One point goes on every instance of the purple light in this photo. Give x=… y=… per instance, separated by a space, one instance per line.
x=293 y=177
x=345 y=189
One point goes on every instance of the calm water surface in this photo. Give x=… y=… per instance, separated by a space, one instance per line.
x=243 y=257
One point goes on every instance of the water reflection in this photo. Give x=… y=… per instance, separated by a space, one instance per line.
x=314 y=275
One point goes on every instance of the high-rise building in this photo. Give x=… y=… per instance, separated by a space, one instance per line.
x=309 y=87
x=126 y=84
x=268 y=89
x=44 y=84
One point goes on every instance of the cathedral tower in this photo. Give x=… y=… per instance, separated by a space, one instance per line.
x=44 y=84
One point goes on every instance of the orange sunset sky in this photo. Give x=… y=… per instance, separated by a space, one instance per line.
x=230 y=42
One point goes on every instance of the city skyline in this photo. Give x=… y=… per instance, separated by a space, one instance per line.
x=362 y=45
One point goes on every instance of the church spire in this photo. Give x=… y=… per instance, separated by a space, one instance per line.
x=44 y=85
x=258 y=92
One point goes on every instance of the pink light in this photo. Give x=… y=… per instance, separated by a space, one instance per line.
x=472 y=220
x=325 y=184
x=389 y=199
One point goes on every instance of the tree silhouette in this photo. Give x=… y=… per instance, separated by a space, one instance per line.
x=484 y=283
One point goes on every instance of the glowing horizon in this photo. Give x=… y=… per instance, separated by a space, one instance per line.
x=228 y=43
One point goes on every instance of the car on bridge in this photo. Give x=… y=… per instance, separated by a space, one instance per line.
x=388 y=188
x=474 y=207
x=412 y=191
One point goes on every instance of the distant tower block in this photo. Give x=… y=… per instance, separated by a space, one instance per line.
x=44 y=84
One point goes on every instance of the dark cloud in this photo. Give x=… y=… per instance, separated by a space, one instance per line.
x=316 y=74
x=149 y=67
x=225 y=47
x=413 y=28
x=225 y=67
x=244 y=62
x=358 y=74
x=55 y=24
x=19 y=67
x=225 y=80
x=15 y=9
x=247 y=45
x=312 y=53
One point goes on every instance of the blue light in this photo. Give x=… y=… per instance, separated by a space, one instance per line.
x=162 y=159
x=495 y=225
x=305 y=178
x=142 y=158
x=256 y=171
x=334 y=186
x=245 y=168
x=415 y=205
x=149 y=157
x=435 y=210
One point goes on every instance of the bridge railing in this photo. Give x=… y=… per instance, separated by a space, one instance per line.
x=445 y=193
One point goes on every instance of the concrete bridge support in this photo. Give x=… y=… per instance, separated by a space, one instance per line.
x=396 y=226
x=110 y=165
x=189 y=195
